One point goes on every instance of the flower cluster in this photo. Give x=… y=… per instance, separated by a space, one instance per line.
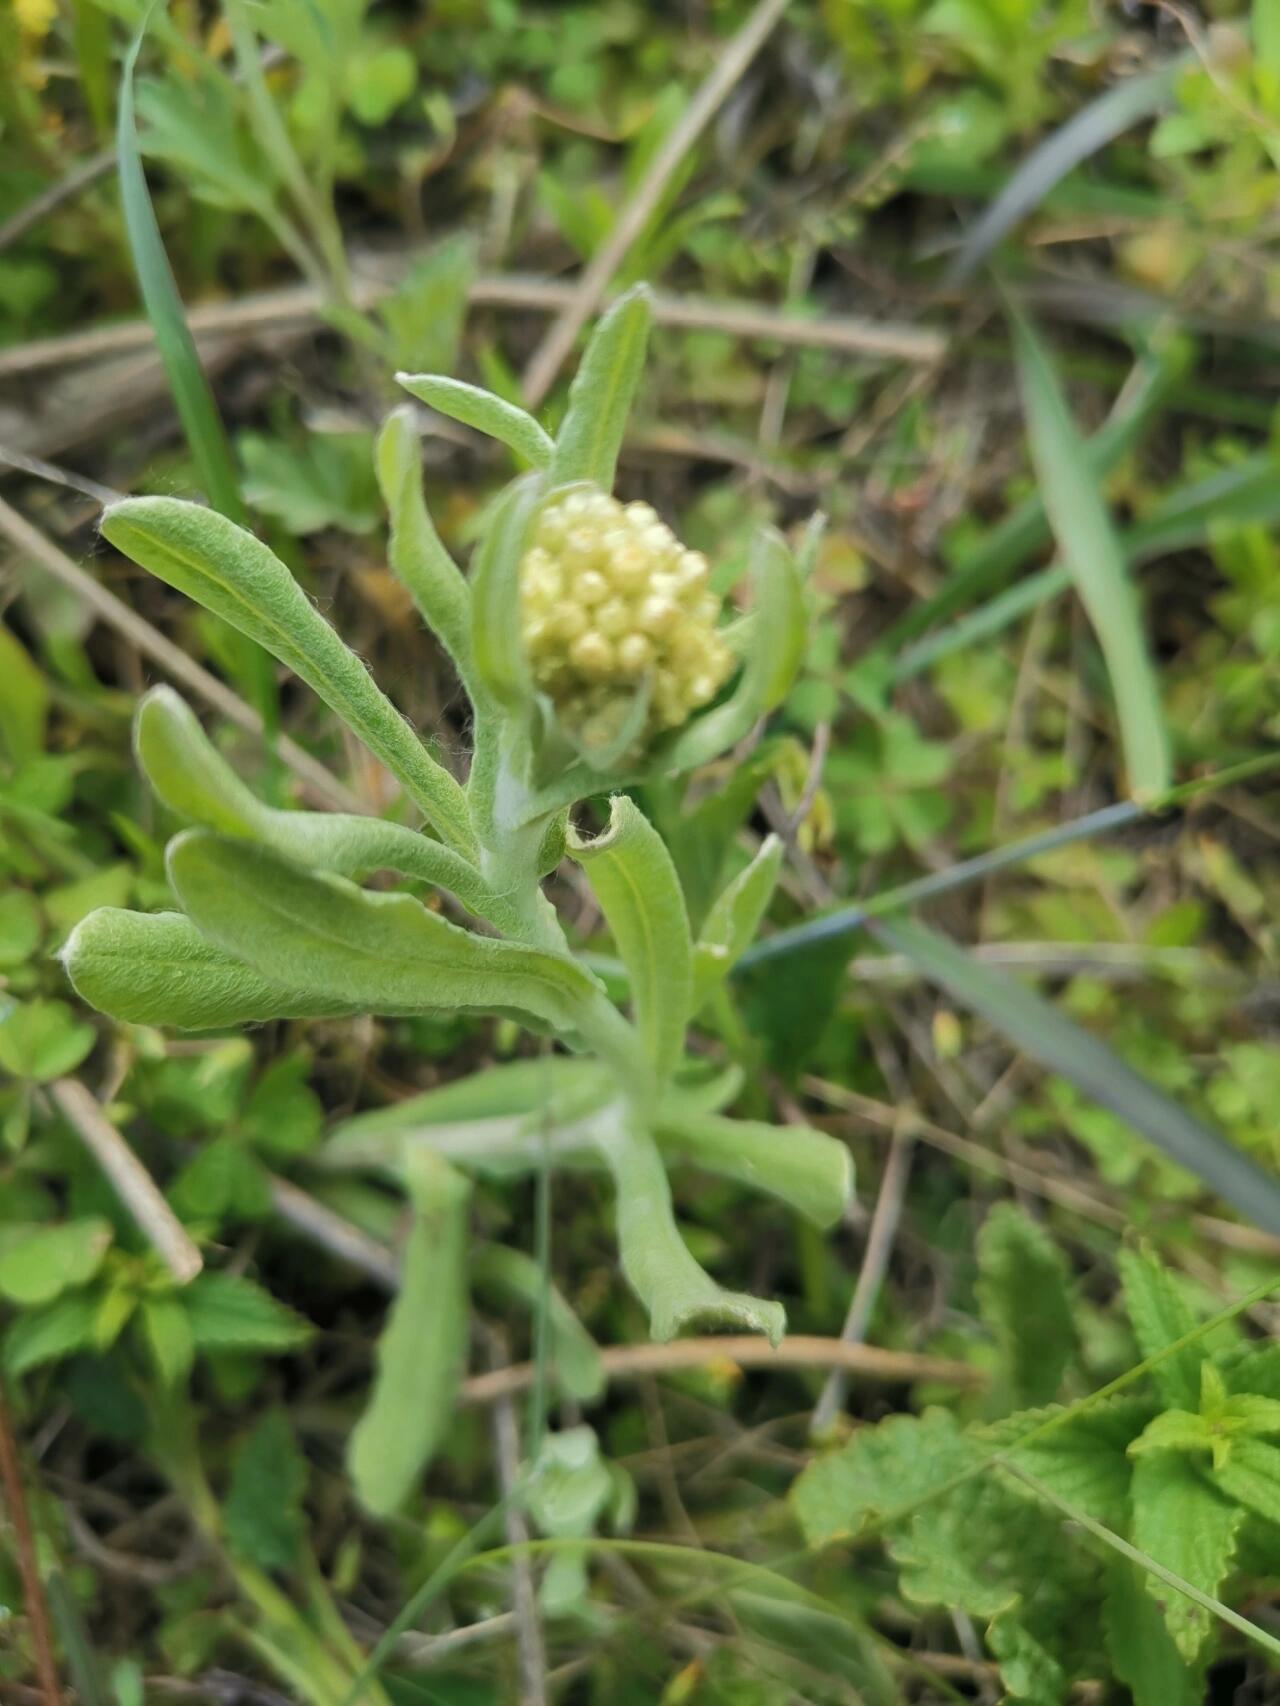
x=612 y=601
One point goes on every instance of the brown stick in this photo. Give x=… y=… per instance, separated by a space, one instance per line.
x=801 y=1350
x=32 y=1586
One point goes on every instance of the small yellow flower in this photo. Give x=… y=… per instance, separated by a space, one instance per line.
x=610 y=599
x=35 y=17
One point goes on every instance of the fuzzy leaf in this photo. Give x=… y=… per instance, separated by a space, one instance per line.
x=385 y=952
x=635 y=882
x=157 y=969
x=1141 y=1648
x=229 y=1313
x=735 y=916
x=422 y=1347
x=807 y=1169
x=416 y=553
x=1084 y=1460
x=506 y=422
x=601 y=394
x=233 y=574
x=1251 y=1476
x=1184 y=1523
x=501 y=665
x=1159 y=1315
x=1023 y=1295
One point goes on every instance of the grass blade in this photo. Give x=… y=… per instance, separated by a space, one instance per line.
x=1093 y=555
x=1041 y=1032
x=191 y=394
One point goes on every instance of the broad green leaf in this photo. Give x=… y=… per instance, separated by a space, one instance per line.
x=1174 y=1430
x=157 y=969
x=422 y=1347
x=1083 y=1460
x=1251 y=1476
x=735 y=916
x=1093 y=554
x=321 y=481
x=632 y=877
x=601 y=394
x=24 y=700
x=167 y=1333
x=501 y=665
x=1141 y=1648
x=1160 y=1315
x=1039 y=1029
x=378 y=953
x=504 y=421
x=1027 y=1668
x=1025 y=1301
x=262 y=1516
x=41 y=1262
x=676 y=1292
x=807 y=1169
x=47 y=1335
x=230 y=572
x=227 y=1312
x=1184 y=1523
x=575 y=1356
x=417 y=554
x=20 y=928
x=191 y=777
x=42 y=1039
x=880 y=1469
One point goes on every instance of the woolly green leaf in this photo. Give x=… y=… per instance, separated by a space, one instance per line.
x=422 y=1347
x=416 y=554
x=1159 y=1315
x=639 y=893
x=233 y=574
x=41 y=1262
x=48 y=1335
x=735 y=916
x=1184 y=1523
x=504 y=421
x=501 y=665
x=1024 y=1298
x=157 y=969
x=385 y=953
x=262 y=1517
x=191 y=777
x=1094 y=556
x=673 y=1288
x=575 y=1356
x=807 y=1169
x=1141 y=1648
x=227 y=1312
x=601 y=394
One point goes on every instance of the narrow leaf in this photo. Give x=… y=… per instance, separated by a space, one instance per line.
x=1160 y=1316
x=1025 y=1301
x=1093 y=554
x=417 y=554
x=1041 y=1031
x=501 y=664
x=421 y=1350
x=807 y=1169
x=509 y=424
x=639 y=893
x=575 y=1356
x=233 y=574
x=735 y=916
x=601 y=394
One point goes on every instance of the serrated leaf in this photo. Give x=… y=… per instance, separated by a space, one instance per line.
x=1024 y=1299
x=421 y=1350
x=321 y=482
x=805 y=1168
x=1160 y=1315
x=1084 y=1460
x=879 y=1469
x=1141 y=1648
x=1027 y=1669
x=632 y=877
x=48 y=1335
x=167 y=1333
x=229 y=1313
x=735 y=916
x=473 y=407
x=157 y=969
x=230 y=572
x=42 y=1262
x=1251 y=1477
x=601 y=394
x=1184 y=1523
x=386 y=953
x=1174 y=1430
x=262 y=1516
x=416 y=553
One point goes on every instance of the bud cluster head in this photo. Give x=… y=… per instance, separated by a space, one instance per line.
x=609 y=600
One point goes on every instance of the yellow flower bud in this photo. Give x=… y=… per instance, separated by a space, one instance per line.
x=609 y=598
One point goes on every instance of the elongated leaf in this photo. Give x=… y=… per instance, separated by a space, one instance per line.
x=601 y=394
x=193 y=779
x=639 y=893
x=192 y=397
x=1141 y=1648
x=733 y=920
x=1092 y=552
x=417 y=554
x=383 y=953
x=228 y=571
x=664 y=1276
x=501 y=664
x=1041 y=1031
x=1184 y=1523
x=155 y=968
x=227 y=1312
x=805 y=1168
x=420 y=1353
x=1160 y=1316
x=508 y=423
x=575 y=1355
x=1025 y=1302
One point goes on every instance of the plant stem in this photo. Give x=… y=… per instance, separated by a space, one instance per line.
x=29 y=1569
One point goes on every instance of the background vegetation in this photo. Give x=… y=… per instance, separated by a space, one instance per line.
x=345 y=190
